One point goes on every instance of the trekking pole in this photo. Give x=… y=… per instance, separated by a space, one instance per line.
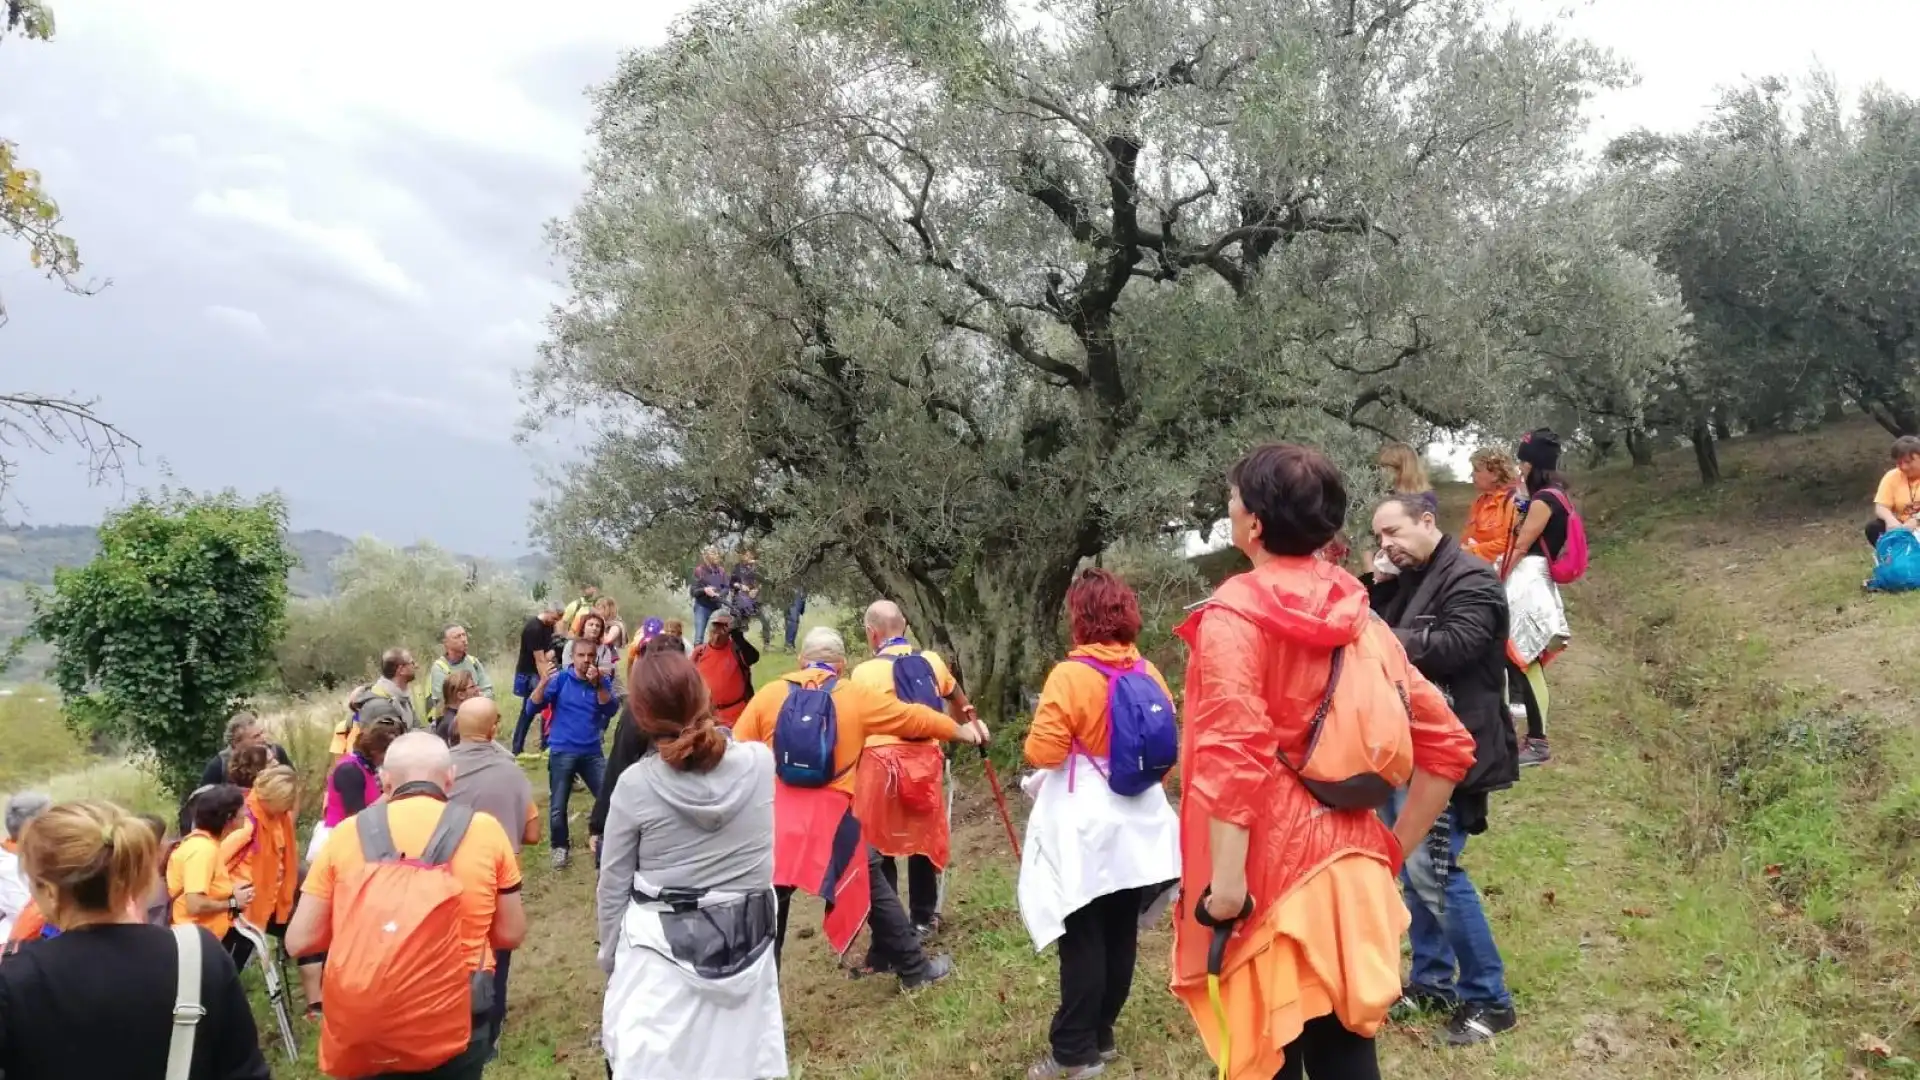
x=1216 y=959
x=1000 y=800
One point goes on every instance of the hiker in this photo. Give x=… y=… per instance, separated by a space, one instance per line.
x=725 y=660
x=456 y=691
x=1306 y=890
x=1896 y=503
x=583 y=702
x=1450 y=613
x=689 y=844
x=487 y=779
x=243 y=729
x=1103 y=842
x=817 y=842
x=1495 y=513
x=354 y=780
x=203 y=891
x=455 y=657
x=532 y=666
x=435 y=1022
x=261 y=852
x=745 y=583
x=796 y=611
x=158 y=908
x=629 y=745
x=395 y=684
x=14 y=893
x=1538 y=615
x=1404 y=473
x=711 y=588
x=900 y=797
x=570 y=619
x=101 y=999
x=649 y=630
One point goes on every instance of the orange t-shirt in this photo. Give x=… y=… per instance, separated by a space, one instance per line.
x=1073 y=705
x=484 y=864
x=196 y=867
x=877 y=675
x=858 y=711
x=720 y=670
x=262 y=852
x=1490 y=526
x=1899 y=494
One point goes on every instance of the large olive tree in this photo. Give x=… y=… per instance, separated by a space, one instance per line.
x=943 y=297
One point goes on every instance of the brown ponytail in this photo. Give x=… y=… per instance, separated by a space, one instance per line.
x=95 y=858
x=671 y=706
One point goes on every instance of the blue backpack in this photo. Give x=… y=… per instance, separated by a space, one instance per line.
x=1143 y=743
x=1896 y=562
x=805 y=735
x=913 y=681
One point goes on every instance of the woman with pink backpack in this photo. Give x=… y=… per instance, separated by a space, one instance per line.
x=1549 y=550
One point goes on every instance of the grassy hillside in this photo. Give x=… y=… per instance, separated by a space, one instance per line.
x=1717 y=877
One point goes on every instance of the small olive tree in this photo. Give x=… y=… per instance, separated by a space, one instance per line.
x=165 y=632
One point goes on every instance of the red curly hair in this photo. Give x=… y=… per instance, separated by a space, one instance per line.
x=1102 y=610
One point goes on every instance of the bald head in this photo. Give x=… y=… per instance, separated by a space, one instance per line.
x=884 y=618
x=417 y=755
x=477 y=720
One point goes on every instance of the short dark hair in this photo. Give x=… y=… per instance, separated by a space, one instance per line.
x=1904 y=447
x=1414 y=506
x=215 y=808
x=1295 y=492
x=391 y=660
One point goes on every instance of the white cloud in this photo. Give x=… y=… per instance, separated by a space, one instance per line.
x=347 y=249
x=178 y=144
x=246 y=323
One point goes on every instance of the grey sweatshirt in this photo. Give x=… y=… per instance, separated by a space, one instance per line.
x=711 y=830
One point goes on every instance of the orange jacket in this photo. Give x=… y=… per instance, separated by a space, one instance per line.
x=1490 y=525
x=726 y=680
x=1073 y=705
x=262 y=851
x=858 y=712
x=1262 y=649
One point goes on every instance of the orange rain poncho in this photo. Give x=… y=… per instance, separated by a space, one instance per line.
x=1324 y=936
x=262 y=851
x=1491 y=523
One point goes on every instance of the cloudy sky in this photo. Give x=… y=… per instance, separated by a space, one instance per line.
x=324 y=231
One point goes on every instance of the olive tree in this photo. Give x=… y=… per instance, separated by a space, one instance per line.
x=940 y=299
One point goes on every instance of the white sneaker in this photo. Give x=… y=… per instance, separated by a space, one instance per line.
x=560 y=855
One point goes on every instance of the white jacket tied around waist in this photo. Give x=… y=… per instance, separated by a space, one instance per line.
x=1538 y=616
x=1084 y=842
x=695 y=994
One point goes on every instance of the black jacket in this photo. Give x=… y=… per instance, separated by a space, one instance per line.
x=629 y=746
x=1451 y=615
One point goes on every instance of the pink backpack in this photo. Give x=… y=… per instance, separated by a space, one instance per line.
x=1570 y=565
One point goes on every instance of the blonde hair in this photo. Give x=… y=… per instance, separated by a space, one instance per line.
x=1498 y=462
x=277 y=788
x=458 y=688
x=88 y=858
x=1408 y=471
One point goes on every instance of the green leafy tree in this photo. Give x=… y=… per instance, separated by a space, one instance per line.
x=171 y=626
x=938 y=302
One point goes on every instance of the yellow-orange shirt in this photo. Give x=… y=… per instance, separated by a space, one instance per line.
x=484 y=864
x=877 y=675
x=196 y=867
x=858 y=713
x=1899 y=494
x=1073 y=705
x=262 y=852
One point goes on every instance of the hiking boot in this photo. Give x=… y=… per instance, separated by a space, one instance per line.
x=938 y=969
x=1535 y=752
x=529 y=756
x=1475 y=1024
x=1048 y=1068
x=560 y=856
x=1416 y=1001
x=1108 y=1051
x=928 y=929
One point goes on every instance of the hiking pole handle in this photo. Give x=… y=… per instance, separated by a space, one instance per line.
x=1222 y=929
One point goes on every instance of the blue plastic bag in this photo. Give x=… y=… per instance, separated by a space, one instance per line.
x=1896 y=560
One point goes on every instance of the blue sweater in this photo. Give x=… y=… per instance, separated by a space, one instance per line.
x=578 y=717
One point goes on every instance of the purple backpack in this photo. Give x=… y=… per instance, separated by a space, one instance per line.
x=1143 y=744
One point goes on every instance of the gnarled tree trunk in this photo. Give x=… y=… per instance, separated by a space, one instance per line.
x=1640 y=447
x=1705 y=453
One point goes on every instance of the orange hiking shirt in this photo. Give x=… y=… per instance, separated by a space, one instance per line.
x=720 y=669
x=1490 y=525
x=262 y=851
x=877 y=675
x=1073 y=705
x=858 y=713
x=196 y=867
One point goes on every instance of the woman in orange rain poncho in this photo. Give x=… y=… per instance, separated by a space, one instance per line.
x=262 y=852
x=1313 y=967
x=1495 y=515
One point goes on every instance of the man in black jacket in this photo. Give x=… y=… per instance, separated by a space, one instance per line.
x=1450 y=613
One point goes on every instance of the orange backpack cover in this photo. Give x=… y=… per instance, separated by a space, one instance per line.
x=897 y=795
x=397 y=987
x=1360 y=741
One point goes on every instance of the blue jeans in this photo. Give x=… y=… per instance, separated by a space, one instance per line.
x=1453 y=950
x=702 y=614
x=794 y=612
x=562 y=767
x=523 y=688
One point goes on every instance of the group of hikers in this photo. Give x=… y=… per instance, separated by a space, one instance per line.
x=1336 y=742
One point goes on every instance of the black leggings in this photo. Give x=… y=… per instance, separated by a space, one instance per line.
x=1327 y=1051
x=1521 y=691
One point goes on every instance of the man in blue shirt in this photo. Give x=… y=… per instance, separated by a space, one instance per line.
x=583 y=702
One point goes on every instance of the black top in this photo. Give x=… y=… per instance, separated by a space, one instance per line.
x=96 y=1003
x=535 y=638
x=216 y=770
x=351 y=782
x=629 y=746
x=1553 y=539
